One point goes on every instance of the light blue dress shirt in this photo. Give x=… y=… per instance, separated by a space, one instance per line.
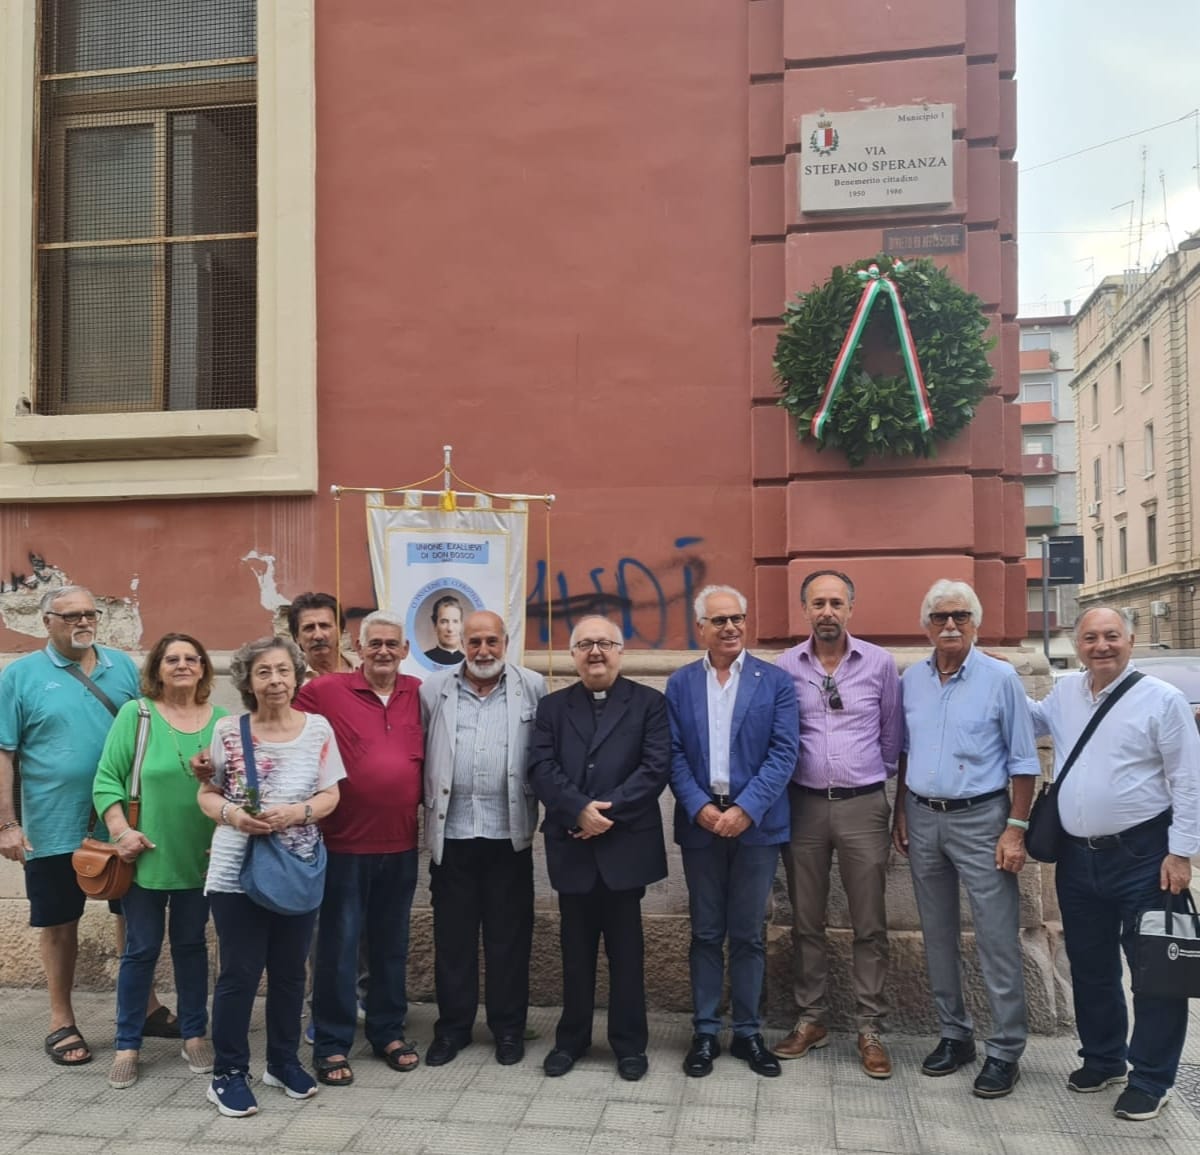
x=969 y=736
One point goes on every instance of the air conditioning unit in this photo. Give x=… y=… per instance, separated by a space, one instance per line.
x=1093 y=509
x=1130 y=614
x=1159 y=609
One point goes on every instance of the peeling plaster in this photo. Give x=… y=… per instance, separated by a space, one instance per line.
x=268 y=592
x=20 y=607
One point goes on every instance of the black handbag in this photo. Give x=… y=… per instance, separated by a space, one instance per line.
x=1045 y=825
x=1166 y=954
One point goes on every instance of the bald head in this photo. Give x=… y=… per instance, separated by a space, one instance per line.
x=485 y=644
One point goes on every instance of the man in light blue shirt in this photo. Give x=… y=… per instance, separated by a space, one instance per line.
x=58 y=726
x=968 y=732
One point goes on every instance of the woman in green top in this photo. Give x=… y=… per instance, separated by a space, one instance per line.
x=169 y=847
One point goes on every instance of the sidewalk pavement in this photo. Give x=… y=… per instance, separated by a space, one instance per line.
x=823 y=1103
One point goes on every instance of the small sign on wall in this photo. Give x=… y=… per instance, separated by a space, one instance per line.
x=879 y=158
x=924 y=240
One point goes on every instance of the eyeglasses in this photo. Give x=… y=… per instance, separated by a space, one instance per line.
x=75 y=616
x=941 y=617
x=722 y=620
x=602 y=644
x=829 y=687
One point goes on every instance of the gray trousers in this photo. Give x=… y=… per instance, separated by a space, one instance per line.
x=944 y=849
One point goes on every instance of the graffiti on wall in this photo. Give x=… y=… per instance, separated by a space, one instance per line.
x=651 y=601
x=40 y=574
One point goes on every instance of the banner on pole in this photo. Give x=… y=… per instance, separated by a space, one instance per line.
x=433 y=567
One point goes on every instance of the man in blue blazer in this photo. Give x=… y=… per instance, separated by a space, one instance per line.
x=734 y=743
x=599 y=761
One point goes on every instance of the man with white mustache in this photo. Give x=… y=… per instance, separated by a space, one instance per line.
x=480 y=818
x=968 y=732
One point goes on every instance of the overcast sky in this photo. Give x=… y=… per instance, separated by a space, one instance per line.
x=1089 y=71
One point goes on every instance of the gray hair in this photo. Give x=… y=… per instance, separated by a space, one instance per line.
x=595 y=618
x=380 y=618
x=1126 y=624
x=243 y=661
x=945 y=590
x=701 y=602
x=51 y=596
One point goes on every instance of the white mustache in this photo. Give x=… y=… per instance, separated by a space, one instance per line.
x=954 y=634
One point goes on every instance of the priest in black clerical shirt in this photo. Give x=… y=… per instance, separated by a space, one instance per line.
x=601 y=758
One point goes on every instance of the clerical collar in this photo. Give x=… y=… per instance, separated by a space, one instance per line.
x=599 y=695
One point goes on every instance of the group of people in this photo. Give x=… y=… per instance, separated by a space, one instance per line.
x=789 y=759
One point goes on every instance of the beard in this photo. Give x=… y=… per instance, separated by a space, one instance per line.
x=485 y=671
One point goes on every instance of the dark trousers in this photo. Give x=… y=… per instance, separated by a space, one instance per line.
x=616 y=914
x=1100 y=894
x=371 y=893
x=481 y=884
x=251 y=938
x=145 y=918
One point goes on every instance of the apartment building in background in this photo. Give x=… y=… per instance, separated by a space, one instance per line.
x=1138 y=442
x=1048 y=471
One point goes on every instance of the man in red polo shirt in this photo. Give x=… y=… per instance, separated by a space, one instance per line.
x=372 y=844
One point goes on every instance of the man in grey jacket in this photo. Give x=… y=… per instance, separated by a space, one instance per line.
x=480 y=818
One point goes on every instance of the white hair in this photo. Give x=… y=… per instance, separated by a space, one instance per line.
x=620 y=638
x=945 y=590
x=380 y=618
x=701 y=602
x=51 y=596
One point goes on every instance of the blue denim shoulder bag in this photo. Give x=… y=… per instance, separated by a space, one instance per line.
x=272 y=876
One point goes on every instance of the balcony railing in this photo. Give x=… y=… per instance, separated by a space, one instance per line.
x=1038 y=464
x=1037 y=413
x=1038 y=516
x=1033 y=622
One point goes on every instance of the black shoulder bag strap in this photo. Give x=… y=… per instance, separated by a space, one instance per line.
x=87 y=682
x=1095 y=721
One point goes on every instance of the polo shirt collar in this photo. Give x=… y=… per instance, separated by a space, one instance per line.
x=102 y=659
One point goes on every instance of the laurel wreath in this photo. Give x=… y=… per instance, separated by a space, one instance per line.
x=873 y=415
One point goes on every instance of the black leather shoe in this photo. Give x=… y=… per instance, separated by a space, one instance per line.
x=509 y=1049
x=442 y=1051
x=632 y=1067
x=557 y=1063
x=699 y=1059
x=997 y=1078
x=948 y=1056
x=758 y=1058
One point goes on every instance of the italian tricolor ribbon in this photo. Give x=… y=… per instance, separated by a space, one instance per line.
x=874 y=283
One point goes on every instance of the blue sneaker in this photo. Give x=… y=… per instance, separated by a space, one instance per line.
x=310 y=1035
x=232 y=1095
x=295 y=1081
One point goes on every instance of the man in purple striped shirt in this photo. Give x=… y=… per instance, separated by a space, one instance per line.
x=851 y=733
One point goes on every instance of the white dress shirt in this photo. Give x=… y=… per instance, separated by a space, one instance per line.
x=721 y=699
x=1143 y=757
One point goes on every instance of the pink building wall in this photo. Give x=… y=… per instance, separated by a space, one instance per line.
x=559 y=237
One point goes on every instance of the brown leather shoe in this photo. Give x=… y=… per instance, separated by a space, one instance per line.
x=805 y=1038
x=874 y=1056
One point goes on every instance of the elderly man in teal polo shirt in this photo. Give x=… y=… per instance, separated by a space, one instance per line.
x=56 y=707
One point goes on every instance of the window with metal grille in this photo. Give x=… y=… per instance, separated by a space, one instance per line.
x=146 y=206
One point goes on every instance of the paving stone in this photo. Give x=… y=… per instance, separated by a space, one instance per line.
x=861 y=1133
x=169 y=1123
x=639 y=1118
x=420 y=1104
x=320 y=1132
x=545 y=1141
x=809 y=1129
x=393 y=1136
x=564 y=1114
x=730 y=1123
x=465 y=1139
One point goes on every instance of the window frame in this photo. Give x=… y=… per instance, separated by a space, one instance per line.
x=269 y=449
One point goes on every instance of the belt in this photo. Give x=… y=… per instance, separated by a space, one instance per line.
x=950 y=805
x=1112 y=841
x=722 y=801
x=840 y=793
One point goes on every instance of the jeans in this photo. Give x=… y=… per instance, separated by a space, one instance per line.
x=251 y=938
x=371 y=893
x=1100 y=894
x=729 y=883
x=145 y=917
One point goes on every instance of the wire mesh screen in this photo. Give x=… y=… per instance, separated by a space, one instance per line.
x=147 y=205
